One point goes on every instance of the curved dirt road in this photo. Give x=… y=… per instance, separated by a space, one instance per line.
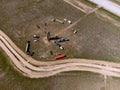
x=38 y=69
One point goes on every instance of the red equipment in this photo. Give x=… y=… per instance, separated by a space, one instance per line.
x=38 y=26
x=60 y=56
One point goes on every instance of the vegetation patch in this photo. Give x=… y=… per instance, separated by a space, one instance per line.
x=10 y=79
x=87 y=2
x=110 y=14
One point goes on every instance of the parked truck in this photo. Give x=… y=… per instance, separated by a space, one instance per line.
x=60 y=56
x=27 y=49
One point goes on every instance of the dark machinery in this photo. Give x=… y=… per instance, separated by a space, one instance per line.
x=27 y=49
x=47 y=32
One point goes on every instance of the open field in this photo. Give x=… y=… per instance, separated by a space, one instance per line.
x=96 y=39
x=97 y=82
x=32 y=68
x=63 y=81
x=14 y=81
x=20 y=25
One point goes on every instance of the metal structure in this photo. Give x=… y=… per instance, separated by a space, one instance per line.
x=57 y=44
x=54 y=38
x=63 y=39
x=60 y=56
x=69 y=22
x=47 y=32
x=46 y=28
x=27 y=49
x=36 y=36
x=58 y=20
x=48 y=36
x=38 y=26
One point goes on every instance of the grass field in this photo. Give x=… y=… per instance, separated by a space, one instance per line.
x=96 y=39
x=18 y=20
x=90 y=42
x=11 y=80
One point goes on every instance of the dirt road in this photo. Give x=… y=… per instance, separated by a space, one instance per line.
x=78 y=5
x=75 y=23
x=38 y=69
x=108 y=5
x=88 y=10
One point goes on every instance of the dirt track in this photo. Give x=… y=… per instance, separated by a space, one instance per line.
x=80 y=6
x=108 y=5
x=38 y=69
x=88 y=10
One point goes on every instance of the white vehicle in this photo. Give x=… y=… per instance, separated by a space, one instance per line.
x=61 y=47
x=65 y=19
x=70 y=22
x=35 y=36
x=35 y=40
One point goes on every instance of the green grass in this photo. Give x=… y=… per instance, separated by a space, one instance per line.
x=20 y=24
